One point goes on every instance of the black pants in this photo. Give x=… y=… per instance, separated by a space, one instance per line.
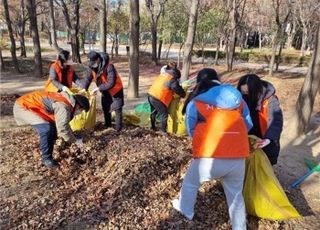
x=158 y=107
x=272 y=151
x=106 y=101
x=47 y=134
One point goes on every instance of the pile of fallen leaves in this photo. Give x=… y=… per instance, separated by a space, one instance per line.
x=118 y=180
x=6 y=103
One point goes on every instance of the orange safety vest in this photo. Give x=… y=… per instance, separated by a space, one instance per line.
x=264 y=115
x=50 y=87
x=104 y=79
x=222 y=135
x=160 y=90
x=33 y=102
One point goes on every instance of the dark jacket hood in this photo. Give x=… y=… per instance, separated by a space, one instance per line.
x=268 y=91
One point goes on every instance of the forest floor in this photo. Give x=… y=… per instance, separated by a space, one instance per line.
x=127 y=180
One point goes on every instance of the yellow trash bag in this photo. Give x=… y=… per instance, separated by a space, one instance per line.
x=85 y=120
x=176 y=120
x=262 y=192
x=127 y=118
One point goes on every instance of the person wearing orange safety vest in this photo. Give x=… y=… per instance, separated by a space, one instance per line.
x=265 y=112
x=49 y=113
x=218 y=120
x=61 y=74
x=109 y=83
x=161 y=94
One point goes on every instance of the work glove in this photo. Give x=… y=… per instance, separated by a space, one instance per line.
x=94 y=91
x=262 y=143
x=66 y=89
x=79 y=142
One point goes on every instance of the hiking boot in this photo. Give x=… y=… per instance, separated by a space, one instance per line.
x=50 y=163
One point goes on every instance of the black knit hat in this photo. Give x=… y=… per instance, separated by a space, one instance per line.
x=93 y=57
x=63 y=55
x=82 y=101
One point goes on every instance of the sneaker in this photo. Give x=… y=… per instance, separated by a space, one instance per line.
x=51 y=163
x=176 y=206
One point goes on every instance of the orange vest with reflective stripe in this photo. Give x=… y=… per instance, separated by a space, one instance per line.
x=104 y=79
x=160 y=90
x=264 y=115
x=34 y=102
x=222 y=135
x=50 y=87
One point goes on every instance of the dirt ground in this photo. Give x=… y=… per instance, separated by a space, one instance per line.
x=21 y=173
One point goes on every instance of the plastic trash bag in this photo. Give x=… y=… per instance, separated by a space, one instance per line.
x=85 y=120
x=262 y=192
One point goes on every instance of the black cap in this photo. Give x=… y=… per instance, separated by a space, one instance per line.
x=93 y=56
x=63 y=56
x=82 y=101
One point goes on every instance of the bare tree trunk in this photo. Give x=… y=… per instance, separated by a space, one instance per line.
x=217 y=51
x=181 y=45
x=260 y=41
x=13 y=43
x=23 y=51
x=231 y=49
x=117 y=44
x=167 y=55
x=1 y=60
x=190 y=39
x=21 y=29
x=133 y=83
x=159 y=49
x=31 y=7
x=304 y=39
x=82 y=41
x=309 y=90
x=53 y=26
x=103 y=26
x=232 y=43
x=202 y=49
x=278 y=60
x=154 y=42
x=112 y=47
x=226 y=48
x=273 y=54
x=73 y=26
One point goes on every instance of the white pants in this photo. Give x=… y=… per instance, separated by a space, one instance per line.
x=230 y=171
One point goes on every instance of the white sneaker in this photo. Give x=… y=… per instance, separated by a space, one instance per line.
x=176 y=206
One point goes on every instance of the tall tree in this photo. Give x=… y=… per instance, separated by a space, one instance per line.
x=175 y=24
x=72 y=21
x=282 y=11
x=133 y=85
x=118 y=23
x=190 y=39
x=309 y=90
x=155 y=8
x=22 y=18
x=236 y=14
x=13 y=43
x=53 y=33
x=306 y=9
x=103 y=25
x=31 y=7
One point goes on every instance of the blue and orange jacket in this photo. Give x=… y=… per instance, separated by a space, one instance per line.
x=219 y=120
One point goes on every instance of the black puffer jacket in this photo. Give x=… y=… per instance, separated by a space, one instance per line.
x=116 y=100
x=275 y=121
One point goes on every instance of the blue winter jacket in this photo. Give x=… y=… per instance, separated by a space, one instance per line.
x=223 y=96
